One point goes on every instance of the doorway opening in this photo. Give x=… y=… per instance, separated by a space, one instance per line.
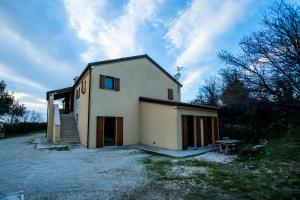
x=109 y=131
x=190 y=131
x=188 y=135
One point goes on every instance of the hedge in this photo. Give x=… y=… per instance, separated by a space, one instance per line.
x=23 y=127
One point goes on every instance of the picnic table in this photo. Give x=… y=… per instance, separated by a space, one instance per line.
x=227 y=143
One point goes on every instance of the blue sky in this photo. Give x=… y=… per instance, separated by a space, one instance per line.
x=45 y=44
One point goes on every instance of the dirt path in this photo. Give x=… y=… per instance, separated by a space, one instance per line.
x=76 y=174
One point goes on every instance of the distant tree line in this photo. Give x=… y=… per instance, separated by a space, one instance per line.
x=12 y=111
x=17 y=119
x=259 y=89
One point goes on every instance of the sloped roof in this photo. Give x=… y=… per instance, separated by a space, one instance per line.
x=89 y=65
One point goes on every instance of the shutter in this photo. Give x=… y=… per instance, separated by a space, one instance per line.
x=102 y=81
x=216 y=128
x=100 y=132
x=205 y=127
x=82 y=87
x=119 y=131
x=184 y=132
x=117 y=84
x=170 y=94
x=198 y=131
x=210 y=129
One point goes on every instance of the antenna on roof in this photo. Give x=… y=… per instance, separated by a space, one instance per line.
x=178 y=74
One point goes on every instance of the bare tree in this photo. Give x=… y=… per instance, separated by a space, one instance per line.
x=270 y=59
x=32 y=116
x=234 y=92
x=208 y=94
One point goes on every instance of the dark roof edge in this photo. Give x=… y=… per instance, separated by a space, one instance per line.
x=175 y=103
x=125 y=59
x=59 y=90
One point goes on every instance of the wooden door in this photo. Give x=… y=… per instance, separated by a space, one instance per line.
x=198 y=131
x=100 y=132
x=119 y=130
x=184 y=132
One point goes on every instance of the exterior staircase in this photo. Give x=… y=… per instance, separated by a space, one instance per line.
x=68 y=130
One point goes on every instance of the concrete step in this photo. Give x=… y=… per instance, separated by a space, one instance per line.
x=71 y=138
x=68 y=131
x=71 y=132
x=68 y=124
x=69 y=142
x=68 y=127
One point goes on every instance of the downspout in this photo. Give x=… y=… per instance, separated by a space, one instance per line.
x=89 y=107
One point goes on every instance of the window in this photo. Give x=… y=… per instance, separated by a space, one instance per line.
x=109 y=83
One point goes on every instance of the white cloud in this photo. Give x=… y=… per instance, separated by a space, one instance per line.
x=194 y=30
x=35 y=105
x=109 y=38
x=32 y=102
x=28 y=48
x=20 y=95
x=190 y=80
x=10 y=75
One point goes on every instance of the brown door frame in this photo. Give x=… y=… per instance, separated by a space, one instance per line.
x=205 y=131
x=119 y=131
x=216 y=128
x=184 y=132
x=119 y=126
x=100 y=132
x=198 y=131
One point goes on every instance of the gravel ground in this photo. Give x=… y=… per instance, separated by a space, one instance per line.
x=215 y=157
x=76 y=174
x=82 y=173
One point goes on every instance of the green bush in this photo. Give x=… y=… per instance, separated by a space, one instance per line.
x=23 y=127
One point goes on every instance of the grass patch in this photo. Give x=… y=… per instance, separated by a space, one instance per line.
x=11 y=135
x=274 y=175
